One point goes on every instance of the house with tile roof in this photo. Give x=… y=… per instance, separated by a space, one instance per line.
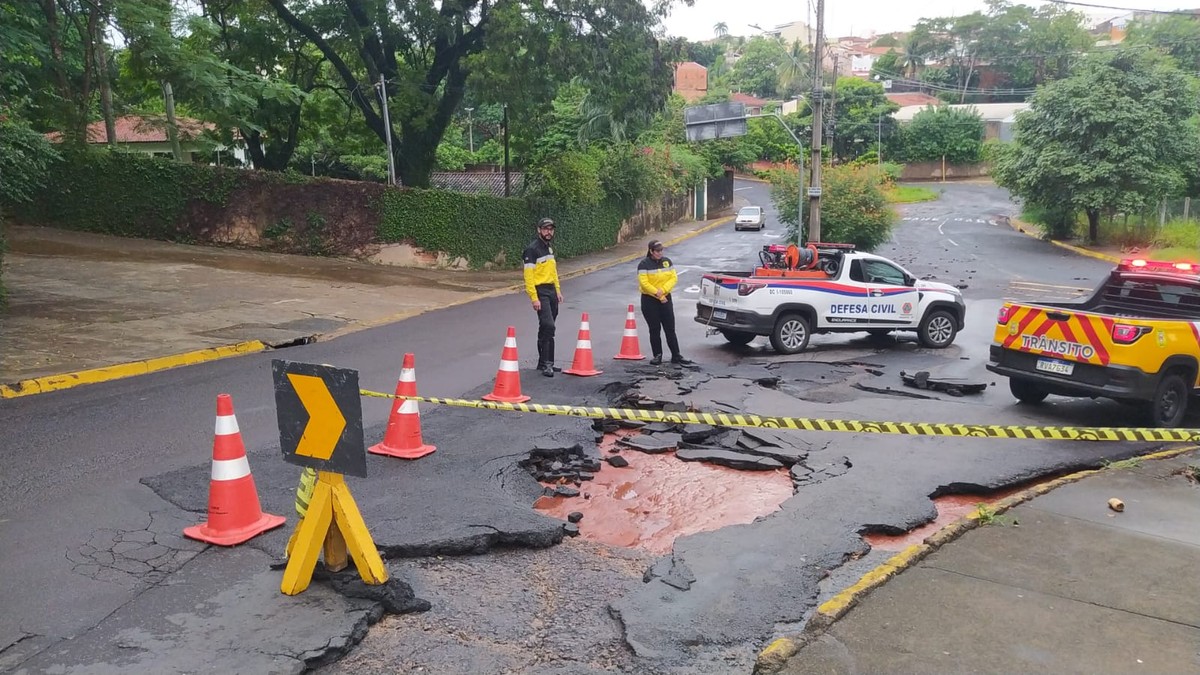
x=148 y=134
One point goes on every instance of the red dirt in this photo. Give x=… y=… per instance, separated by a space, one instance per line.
x=658 y=498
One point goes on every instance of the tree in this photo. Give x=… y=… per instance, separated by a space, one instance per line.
x=512 y=51
x=1116 y=134
x=940 y=131
x=1178 y=36
x=757 y=71
x=862 y=112
x=721 y=30
x=886 y=67
x=853 y=207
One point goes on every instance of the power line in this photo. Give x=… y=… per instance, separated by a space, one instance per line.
x=1169 y=12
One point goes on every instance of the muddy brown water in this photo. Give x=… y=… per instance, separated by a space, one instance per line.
x=949 y=509
x=658 y=498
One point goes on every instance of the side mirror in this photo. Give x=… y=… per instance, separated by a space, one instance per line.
x=909 y=280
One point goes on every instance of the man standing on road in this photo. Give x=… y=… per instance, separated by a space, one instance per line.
x=656 y=278
x=541 y=284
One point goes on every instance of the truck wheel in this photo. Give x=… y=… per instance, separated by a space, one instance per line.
x=790 y=334
x=937 y=329
x=1170 y=401
x=1026 y=391
x=737 y=337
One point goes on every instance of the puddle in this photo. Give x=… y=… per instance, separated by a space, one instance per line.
x=949 y=509
x=658 y=498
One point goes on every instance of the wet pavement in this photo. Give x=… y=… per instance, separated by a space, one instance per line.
x=1061 y=584
x=509 y=592
x=78 y=301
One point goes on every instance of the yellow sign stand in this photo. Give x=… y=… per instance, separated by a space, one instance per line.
x=332 y=524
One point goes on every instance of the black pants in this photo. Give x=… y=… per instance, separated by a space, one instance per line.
x=546 y=318
x=660 y=315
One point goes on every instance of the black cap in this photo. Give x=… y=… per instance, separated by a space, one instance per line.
x=654 y=245
x=545 y=222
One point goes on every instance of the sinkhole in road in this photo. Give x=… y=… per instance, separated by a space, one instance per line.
x=658 y=498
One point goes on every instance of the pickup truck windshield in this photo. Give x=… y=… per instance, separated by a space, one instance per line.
x=1132 y=297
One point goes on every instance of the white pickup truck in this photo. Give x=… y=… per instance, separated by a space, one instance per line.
x=827 y=288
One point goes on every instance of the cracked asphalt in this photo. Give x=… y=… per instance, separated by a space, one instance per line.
x=99 y=578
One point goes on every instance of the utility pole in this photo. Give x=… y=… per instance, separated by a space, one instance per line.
x=387 y=127
x=818 y=95
x=879 y=142
x=470 y=131
x=507 y=183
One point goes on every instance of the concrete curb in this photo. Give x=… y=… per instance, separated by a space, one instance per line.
x=1021 y=226
x=42 y=385
x=775 y=656
x=49 y=383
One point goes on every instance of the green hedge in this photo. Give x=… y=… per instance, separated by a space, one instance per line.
x=140 y=196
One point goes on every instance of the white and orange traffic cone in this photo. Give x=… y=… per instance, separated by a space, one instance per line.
x=403 y=436
x=630 y=349
x=582 y=364
x=234 y=513
x=508 y=377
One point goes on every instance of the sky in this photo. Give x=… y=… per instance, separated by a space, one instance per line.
x=849 y=17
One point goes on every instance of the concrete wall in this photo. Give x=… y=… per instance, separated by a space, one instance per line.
x=919 y=171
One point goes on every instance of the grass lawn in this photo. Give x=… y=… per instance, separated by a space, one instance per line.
x=907 y=194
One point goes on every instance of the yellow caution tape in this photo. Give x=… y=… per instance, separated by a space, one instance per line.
x=304 y=491
x=1027 y=432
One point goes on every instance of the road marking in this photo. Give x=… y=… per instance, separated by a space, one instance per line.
x=740 y=189
x=952 y=241
x=941 y=225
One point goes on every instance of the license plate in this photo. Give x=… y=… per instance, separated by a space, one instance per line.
x=1056 y=367
x=720 y=314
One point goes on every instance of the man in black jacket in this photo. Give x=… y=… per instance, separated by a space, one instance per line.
x=544 y=291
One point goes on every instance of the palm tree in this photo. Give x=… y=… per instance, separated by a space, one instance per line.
x=721 y=29
x=796 y=68
x=912 y=59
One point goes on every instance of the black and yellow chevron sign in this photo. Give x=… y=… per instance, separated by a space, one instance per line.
x=735 y=420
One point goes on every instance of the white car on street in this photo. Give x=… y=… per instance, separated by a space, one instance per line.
x=749 y=217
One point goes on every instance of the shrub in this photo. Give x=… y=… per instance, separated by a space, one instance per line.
x=854 y=208
x=1056 y=221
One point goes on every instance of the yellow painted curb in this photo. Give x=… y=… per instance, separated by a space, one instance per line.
x=42 y=385
x=1020 y=226
x=1085 y=252
x=775 y=655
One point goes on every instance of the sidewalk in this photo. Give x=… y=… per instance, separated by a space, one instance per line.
x=1060 y=584
x=87 y=308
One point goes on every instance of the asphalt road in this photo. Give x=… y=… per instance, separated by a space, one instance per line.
x=99 y=480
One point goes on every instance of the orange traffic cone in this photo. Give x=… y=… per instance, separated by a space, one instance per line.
x=582 y=365
x=403 y=436
x=234 y=514
x=629 y=340
x=508 y=379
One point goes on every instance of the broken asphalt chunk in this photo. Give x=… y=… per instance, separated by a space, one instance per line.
x=696 y=433
x=661 y=428
x=570 y=529
x=653 y=445
x=955 y=386
x=733 y=460
x=564 y=491
x=574 y=516
x=617 y=461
